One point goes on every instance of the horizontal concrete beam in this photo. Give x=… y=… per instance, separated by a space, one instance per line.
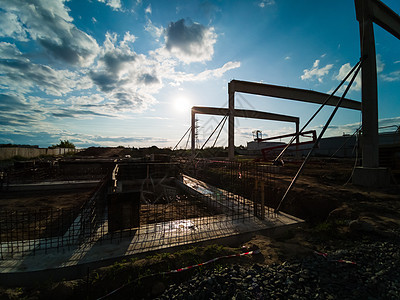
x=380 y=14
x=288 y=93
x=244 y=113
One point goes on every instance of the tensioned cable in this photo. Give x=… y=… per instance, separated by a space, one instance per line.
x=355 y=162
x=226 y=118
x=345 y=142
x=212 y=133
x=356 y=147
x=187 y=142
x=318 y=110
x=182 y=138
x=320 y=135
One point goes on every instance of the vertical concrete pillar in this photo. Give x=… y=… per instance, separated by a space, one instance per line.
x=193 y=132
x=231 y=122
x=369 y=95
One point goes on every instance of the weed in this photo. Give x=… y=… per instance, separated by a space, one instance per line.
x=219 y=268
x=134 y=259
x=95 y=277
x=329 y=228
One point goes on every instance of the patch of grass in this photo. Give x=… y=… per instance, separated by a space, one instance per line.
x=329 y=229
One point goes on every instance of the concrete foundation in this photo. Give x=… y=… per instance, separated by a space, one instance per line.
x=371 y=177
x=34 y=262
x=75 y=261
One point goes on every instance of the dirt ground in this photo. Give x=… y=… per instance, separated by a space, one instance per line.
x=335 y=210
x=55 y=199
x=324 y=193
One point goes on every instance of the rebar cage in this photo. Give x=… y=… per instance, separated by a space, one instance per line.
x=151 y=204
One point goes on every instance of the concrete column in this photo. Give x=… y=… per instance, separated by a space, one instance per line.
x=193 y=132
x=369 y=94
x=231 y=122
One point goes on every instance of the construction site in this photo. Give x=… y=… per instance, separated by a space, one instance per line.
x=63 y=217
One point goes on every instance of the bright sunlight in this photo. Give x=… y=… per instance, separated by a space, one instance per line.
x=182 y=105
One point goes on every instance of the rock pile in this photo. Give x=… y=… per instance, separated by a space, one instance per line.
x=375 y=275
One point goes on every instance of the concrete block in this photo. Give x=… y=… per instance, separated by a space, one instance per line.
x=123 y=210
x=371 y=177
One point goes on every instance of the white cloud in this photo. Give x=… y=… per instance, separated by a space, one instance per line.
x=23 y=76
x=128 y=79
x=380 y=65
x=49 y=23
x=205 y=75
x=46 y=134
x=148 y=9
x=10 y=51
x=15 y=110
x=315 y=72
x=155 y=31
x=356 y=86
x=128 y=38
x=344 y=70
x=265 y=3
x=338 y=130
x=84 y=100
x=114 y=4
x=125 y=80
x=190 y=42
x=395 y=121
x=288 y=58
x=393 y=76
x=11 y=27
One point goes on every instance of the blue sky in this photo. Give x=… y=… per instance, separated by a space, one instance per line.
x=115 y=72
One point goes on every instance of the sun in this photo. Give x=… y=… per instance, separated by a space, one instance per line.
x=182 y=104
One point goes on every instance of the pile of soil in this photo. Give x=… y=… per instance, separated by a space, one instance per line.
x=105 y=152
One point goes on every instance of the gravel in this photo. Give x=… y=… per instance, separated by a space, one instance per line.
x=376 y=275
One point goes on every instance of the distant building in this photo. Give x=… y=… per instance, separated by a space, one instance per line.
x=338 y=146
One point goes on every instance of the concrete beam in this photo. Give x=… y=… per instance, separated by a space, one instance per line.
x=289 y=93
x=232 y=113
x=276 y=91
x=380 y=14
x=244 y=113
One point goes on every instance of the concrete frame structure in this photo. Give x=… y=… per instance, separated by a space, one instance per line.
x=367 y=13
x=277 y=92
x=242 y=113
